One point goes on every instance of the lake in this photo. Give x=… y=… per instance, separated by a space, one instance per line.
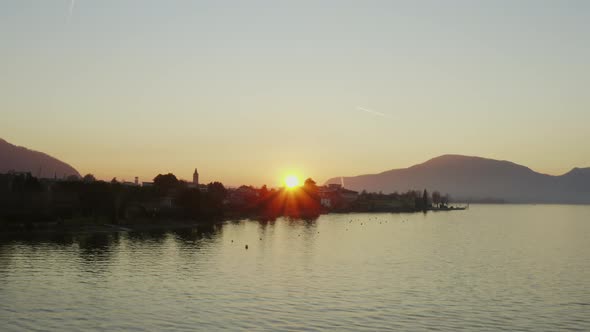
x=492 y=267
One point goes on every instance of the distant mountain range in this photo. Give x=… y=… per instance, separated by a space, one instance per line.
x=20 y=159
x=479 y=179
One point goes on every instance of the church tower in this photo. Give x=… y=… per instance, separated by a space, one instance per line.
x=196 y=178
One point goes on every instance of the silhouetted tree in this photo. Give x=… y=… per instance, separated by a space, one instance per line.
x=89 y=178
x=310 y=185
x=217 y=191
x=165 y=182
x=263 y=191
x=425 y=200
x=212 y=200
x=436 y=198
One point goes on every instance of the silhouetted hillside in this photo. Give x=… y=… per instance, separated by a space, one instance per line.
x=475 y=178
x=16 y=158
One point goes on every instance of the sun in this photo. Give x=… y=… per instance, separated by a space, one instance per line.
x=291 y=181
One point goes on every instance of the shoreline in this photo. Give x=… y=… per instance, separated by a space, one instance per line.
x=77 y=226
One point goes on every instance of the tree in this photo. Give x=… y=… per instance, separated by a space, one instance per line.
x=165 y=182
x=425 y=200
x=89 y=178
x=217 y=191
x=309 y=183
x=310 y=187
x=263 y=191
x=212 y=200
x=436 y=198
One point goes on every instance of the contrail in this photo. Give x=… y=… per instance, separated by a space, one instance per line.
x=71 y=11
x=372 y=112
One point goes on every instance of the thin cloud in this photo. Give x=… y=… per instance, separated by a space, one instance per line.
x=71 y=9
x=372 y=112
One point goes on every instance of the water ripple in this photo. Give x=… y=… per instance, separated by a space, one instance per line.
x=485 y=269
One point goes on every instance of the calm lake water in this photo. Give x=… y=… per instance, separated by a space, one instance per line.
x=492 y=267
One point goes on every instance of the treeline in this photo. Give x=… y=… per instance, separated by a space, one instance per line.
x=412 y=200
x=24 y=198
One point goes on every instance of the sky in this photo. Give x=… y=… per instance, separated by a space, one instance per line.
x=249 y=91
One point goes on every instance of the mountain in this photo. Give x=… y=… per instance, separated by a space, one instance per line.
x=473 y=178
x=20 y=159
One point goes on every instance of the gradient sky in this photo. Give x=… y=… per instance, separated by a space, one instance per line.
x=248 y=91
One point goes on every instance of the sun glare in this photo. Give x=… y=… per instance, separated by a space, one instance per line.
x=291 y=181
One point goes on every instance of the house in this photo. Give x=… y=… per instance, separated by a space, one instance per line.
x=326 y=202
x=348 y=195
x=334 y=196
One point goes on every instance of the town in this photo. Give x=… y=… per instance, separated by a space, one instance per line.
x=28 y=203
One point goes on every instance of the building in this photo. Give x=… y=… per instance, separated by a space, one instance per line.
x=326 y=202
x=335 y=196
x=349 y=196
x=196 y=185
